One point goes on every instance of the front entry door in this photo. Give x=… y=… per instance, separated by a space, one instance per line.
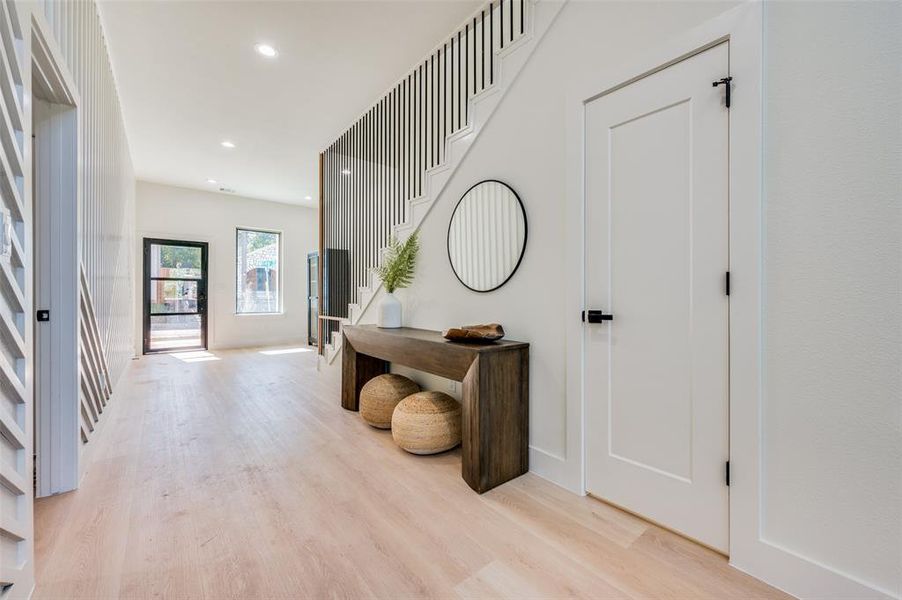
x=656 y=375
x=175 y=295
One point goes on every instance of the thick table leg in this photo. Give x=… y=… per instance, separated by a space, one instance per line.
x=356 y=370
x=495 y=426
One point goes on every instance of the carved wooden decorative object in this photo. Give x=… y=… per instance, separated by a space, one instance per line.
x=475 y=333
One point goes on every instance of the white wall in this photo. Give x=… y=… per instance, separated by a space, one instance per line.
x=108 y=184
x=832 y=406
x=525 y=145
x=831 y=439
x=179 y=213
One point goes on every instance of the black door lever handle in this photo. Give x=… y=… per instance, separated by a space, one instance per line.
x=596 y=316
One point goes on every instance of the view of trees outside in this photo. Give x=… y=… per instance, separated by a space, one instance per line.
x=180 y=258
x=257 y=282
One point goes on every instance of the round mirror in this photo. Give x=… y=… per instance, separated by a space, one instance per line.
x=487 y=236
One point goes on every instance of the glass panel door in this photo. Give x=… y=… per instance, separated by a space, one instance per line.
x=313 y=298
x=175 y=295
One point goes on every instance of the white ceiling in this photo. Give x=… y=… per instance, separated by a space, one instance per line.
x=189 y=78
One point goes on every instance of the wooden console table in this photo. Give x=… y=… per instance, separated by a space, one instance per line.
x=495 y=399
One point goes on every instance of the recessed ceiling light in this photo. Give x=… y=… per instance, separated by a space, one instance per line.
x=346 y=171
x=211 y=181
x=266 y=50
x=308 y=197
x=227 y=144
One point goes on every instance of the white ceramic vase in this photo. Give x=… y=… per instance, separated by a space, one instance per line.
x=389 y=312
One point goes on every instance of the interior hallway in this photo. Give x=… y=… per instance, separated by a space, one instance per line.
x=238 y=475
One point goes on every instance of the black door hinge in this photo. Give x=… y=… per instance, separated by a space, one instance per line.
x=728 y=473
x=727 y=88
x=727 y=283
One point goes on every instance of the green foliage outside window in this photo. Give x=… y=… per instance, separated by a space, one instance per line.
x=182 y=257
x=259 y=239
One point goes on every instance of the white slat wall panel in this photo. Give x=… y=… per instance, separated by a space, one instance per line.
x=108 y=182
x=107 y=241
x=15 y=305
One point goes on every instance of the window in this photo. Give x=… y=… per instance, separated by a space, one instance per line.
x=257 y=289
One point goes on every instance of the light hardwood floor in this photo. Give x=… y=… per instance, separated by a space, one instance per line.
x=243 y=478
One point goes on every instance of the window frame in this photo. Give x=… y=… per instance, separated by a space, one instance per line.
x=280 y=281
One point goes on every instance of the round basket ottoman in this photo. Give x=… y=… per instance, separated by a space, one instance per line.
x=426 y=423
x=381 y=394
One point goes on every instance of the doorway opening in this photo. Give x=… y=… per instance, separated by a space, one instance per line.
x=175 y=295
x=56 y=273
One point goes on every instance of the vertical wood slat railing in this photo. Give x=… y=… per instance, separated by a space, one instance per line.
x=94 y=373
x=15 y=308
x=379 y=164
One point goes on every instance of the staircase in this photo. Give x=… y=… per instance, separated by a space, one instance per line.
x=421 y=163
x=94 y=374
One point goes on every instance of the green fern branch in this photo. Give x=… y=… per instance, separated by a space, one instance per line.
x=396 y=270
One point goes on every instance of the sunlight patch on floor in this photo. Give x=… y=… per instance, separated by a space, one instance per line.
x=193 y=357
x=285 y=351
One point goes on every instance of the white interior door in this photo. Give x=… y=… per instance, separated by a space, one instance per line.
x=56 y=289
x=656 y=375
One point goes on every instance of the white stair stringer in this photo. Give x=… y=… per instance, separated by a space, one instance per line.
x=510 y=62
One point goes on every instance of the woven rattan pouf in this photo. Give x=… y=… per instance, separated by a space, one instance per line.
x=381 y=394
x=426 y=423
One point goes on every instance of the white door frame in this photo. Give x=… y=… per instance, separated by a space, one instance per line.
x=742 y=27
x=58 y=441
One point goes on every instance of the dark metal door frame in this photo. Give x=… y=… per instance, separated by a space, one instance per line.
x=313 y=296
x=201 y=292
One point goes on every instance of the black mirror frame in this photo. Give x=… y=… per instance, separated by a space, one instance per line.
x=525 y=235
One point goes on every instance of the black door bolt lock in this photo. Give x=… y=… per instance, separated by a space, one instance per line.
x=43 y=315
